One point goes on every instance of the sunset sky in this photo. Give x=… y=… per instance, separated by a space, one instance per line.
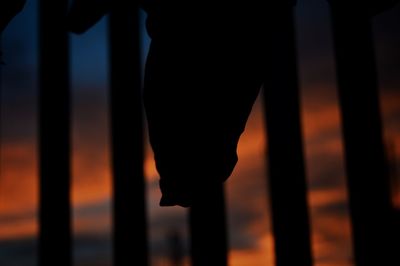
x=249 y=226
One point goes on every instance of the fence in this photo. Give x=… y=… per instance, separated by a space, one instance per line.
x=375 y=222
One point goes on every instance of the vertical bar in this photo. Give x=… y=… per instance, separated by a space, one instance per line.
x=367 y=171
x=288 y=188
x=54 y=135
x=130 y=225
x=394 y=182
x=394 y=187
x=1 y=93
x=208 y=230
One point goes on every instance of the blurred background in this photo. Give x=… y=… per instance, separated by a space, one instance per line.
x=249 y=225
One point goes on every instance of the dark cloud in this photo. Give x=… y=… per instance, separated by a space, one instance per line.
x=20 y=217
x=336 y=208
x=313 y=28
x=97 y=209
x=89 y=250
x=314 y=44
x=240 y=236
x=93 y=250
x=248 y=208
x=18 y=94
x=387 y=42
x=18 y=252
x=325 y=167
x=327 y=177
x=90 y=119
x=18 y=120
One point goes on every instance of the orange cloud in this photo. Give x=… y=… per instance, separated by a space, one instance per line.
x=92 y=223
x=247 y=188
x=389 y=101
x=18 y=182
x=18 y=190
x=332 y=240
x=263 y=255
x=91 y=177
x=322 y=197
x=323 y=120
x=18 y=228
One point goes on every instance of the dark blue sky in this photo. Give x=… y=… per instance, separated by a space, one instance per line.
x=89 y=51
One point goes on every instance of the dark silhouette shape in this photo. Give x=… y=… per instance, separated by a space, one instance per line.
x=203 y=74
x=366 y=164
x=202 y=77
x=8 y=10
x=175 y=246
x=54 y=137
x=287 y=179
x=130 y=220
x=130 y=216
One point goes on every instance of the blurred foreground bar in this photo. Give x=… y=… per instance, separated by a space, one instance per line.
x=130 y=223
x=208 y=229
x=54 y=136
x=288 y=188
x=366 y=163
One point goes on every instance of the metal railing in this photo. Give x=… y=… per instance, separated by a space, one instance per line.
x=375 y=223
